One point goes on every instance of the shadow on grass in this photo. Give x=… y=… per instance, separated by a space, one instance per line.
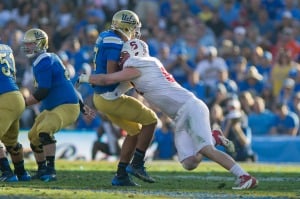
x=168 y=181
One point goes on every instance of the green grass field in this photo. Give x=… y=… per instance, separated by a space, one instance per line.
x=79 y=179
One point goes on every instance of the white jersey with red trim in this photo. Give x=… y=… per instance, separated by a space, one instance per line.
x=157 y=86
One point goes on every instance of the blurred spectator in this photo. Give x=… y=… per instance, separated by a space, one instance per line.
x=163 y=146
x=242 y=20
x=265 y=66
x=230 y=85
x=216 y=116
x=239 y=70
x=253 y=82
x=265 y=25
x=205 y=35
x=286 y=122
x=209 y=67
x=219 y=95
x=21 y=13
x=247 y=101
x=181 y=67
x=241 y=40
x=165 y=55
x=295 y=105
x=280 y=71
x=293 y=7
x=107 y=142
x=228 y=12
x=286 y=92
x=226 y=51
x=5 y=14
x=237 y=130
x=268 y=96
x=260 y=119
x=216 y=24
x=198 y=87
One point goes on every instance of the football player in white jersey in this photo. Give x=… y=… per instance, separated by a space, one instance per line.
x=193 y=137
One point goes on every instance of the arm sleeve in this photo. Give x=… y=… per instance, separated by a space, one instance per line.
x=40 y=93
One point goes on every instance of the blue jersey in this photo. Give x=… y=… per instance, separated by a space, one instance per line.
x=108 y=48
x=50 y=73
x=8 y=70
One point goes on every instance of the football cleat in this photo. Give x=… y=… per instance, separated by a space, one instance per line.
x=139 y=173
x=245 y=182
x=49 y=175
x=39 y=173
x=8 y=177
x=24 y=177
x=223 y=141
x=123 y=181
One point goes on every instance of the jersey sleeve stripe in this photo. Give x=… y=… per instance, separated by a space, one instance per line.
x=42 y=56
x=113 y=40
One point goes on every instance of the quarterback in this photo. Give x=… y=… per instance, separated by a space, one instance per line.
x=59 y=102
x=12 y=106
x=193 y=137
x=125 y=111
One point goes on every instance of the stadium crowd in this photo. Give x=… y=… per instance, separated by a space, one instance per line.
x=239 y=56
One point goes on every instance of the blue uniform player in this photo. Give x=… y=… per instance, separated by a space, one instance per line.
x=125 y=111
x=59 y=101
x=11 y=106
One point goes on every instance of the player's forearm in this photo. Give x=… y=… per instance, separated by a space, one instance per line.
x=30 y=100
x=102 y=79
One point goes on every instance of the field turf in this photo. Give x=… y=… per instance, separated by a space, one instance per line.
x=80 y=179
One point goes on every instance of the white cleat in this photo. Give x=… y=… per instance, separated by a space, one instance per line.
x=245 y=182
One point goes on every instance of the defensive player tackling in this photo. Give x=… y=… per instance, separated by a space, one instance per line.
x=193 y=137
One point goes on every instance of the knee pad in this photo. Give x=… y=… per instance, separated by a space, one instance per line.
x=36 y=149
x=190 y=163
x=16 y=150
x=46 y=139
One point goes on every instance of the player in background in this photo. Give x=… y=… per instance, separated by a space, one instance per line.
x=125 y=111
x=193 y=137
x=59 y=101
x=12 y=106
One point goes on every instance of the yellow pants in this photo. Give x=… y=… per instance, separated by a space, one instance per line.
x=53 y=121
x=12 y=105
x=126 y=112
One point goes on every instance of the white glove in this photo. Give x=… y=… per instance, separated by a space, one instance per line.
x=83 y=78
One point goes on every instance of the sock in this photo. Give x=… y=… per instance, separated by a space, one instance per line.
x=4 y=165
x=50 y=161
x=41 y=165
x=138 y=158
x=238 y=171
x=19 y=167
x=122 y=169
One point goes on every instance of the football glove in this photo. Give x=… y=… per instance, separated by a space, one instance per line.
x=83 y=78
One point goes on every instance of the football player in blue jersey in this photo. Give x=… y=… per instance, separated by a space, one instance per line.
x=58 y=97
x=125 y=111
x=11 y=107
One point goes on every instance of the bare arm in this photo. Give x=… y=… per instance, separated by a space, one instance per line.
x=126 y=74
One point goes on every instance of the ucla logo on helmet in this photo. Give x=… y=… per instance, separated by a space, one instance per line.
x=128 y=19
x=38 y=34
